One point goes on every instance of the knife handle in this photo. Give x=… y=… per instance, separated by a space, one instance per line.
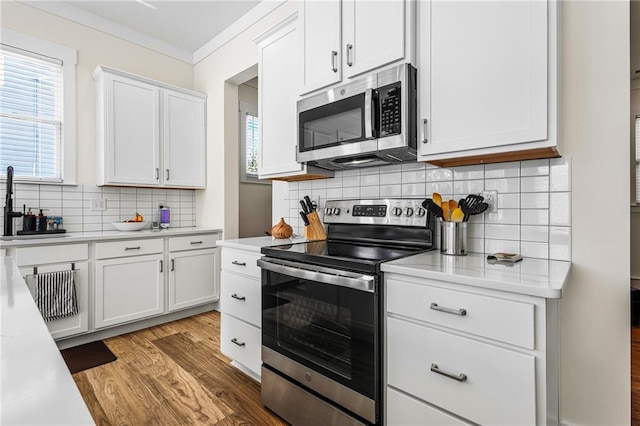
x=309 y=204
x=304 y=218
x=305 y=209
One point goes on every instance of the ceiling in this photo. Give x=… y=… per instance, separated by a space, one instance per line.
x=179 y=28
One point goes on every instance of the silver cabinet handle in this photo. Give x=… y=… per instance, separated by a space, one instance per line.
x=235 y=262
x=458 y=377
x=161 y=267
x=235 y=341
x=132 y=248
x=425 y=135
x=334 y=60
x=235 y=296
x=195 y=242
x=157 y=173
x=462 y=312
x=167 y=174
x=173 y=264
x=349 y=52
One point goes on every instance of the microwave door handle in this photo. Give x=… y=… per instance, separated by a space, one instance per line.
x=368 y=114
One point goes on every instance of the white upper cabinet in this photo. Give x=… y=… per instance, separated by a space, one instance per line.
x=280 y=71
x=148 y=134
x=346 y=38
x=184 y=140
x=487 y=79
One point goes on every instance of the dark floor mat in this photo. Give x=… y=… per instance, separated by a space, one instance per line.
x=87 y=356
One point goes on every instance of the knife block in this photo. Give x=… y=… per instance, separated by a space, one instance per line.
x=315 y=230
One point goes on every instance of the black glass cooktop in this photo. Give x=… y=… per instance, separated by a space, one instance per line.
x=358 y=257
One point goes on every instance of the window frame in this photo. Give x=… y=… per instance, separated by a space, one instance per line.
x=69 y=58
x=244 y=110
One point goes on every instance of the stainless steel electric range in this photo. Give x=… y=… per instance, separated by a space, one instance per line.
x=322 y=311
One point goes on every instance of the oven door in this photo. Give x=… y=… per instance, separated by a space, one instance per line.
x=327 y=322
x=337 y=123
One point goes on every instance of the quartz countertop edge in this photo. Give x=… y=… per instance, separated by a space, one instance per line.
x=37 y=387
x=534 y=277
x=254 y=244
x=77 y=237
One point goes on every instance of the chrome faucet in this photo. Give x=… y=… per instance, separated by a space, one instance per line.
x=9 y=214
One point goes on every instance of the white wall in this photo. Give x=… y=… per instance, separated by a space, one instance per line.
x=94 y=48
x=595 y=368
x=218 y=205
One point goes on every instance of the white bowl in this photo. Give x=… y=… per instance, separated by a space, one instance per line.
x=129 y=226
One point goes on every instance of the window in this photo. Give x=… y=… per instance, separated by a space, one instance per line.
x=249 y=143
x=37 y=109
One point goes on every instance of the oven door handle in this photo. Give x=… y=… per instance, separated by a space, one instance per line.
x=328 y=276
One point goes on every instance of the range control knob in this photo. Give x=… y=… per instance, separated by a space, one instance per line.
x=420 y=212
x=408 y=211
x=328 y=211
x=336 y=210
x=397 y=211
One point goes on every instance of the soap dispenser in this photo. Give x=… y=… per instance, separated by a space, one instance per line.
x=29 y=221
x=41 y=222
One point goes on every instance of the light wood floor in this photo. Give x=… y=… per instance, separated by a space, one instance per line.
x=172 y=374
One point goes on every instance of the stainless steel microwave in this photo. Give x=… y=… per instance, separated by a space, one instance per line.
x=371 y=121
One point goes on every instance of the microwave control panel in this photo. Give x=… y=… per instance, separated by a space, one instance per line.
x=390 y=111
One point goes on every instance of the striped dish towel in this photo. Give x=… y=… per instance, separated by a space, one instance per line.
x=56 y=295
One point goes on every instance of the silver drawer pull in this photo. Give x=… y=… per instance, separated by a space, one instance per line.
x=458 y=377
x=132 y=248
x=235 y=296
x=235 y=262
x=196 y=242
x=462 y=312
x=235 y=341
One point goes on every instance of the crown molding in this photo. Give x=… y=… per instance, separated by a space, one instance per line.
x=254 y=15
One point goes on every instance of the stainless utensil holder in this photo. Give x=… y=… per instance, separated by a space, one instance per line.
x=453 y=238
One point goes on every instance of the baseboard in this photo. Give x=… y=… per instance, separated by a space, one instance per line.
x=246 y=371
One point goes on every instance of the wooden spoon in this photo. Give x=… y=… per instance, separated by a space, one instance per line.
x=457 y=215
x=437 y=198
x=445 y=212
x=452 y=205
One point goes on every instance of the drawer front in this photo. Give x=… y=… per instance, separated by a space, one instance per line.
x=499 y=319
x=241 y=296
x=404 y=410
x=242 y=262
x=498 y=387
x=128 y=248
x=191 y=242
x=241 y=342
x=27 y=256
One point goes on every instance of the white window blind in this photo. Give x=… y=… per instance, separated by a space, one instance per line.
x=637 y=136
x=251 y=144
x=31 y=114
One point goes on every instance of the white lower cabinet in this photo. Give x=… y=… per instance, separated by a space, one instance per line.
x=128 y=289
x=192 y=278
x=241 y=304
x=458 y=354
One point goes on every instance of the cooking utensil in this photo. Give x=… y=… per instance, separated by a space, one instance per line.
x=309 y=204
x=432 y=207
x=473 y=200
x=437 y=198
x=476 y=209
x=457 y=215
x=445 y=211
x=305 y=209
x=452 y=205
x=303 y=215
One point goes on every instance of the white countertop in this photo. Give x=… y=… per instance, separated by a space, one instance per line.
x=76 y=237
x=256 y=243
x=35 y=384
x=535 y=277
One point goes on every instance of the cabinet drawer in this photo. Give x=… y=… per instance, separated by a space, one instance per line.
x=499 y=319
x=128 y=248
x=498 y=387
x=51 y=254
x=240 y=296
x=241 y=261
x=241 y=342
x=404 y=410
x=191 y=242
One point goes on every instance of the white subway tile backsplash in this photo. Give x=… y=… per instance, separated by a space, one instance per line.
x=502 y=232
x=501 y=246
x=370 y=192
x=440 y=187
x=389 y=191
x=335 y=182
x=334 y=193
x=535 y=200
x=475 y=245
x=305 y=185
x=414 y=176
x=534 y=217
x=466 y=187
x=352 y=192
x=475 y=230
x=560 y=174
x=370 y=171
x=534 y=184
x=502 y=170
x=411 y=166
x=534 y=167
x=411 y=190
x=560 y=242
x=349 y=181
x=505 y=217
x=319 y=184
x=532 y=249
x=506 y=185
x=508 y=201
x=534 y=233
x=560 y=208
x=439 y=175
x=468 y=172
x=369 y=180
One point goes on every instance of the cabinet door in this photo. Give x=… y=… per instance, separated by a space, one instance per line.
x=184 y=155
x=279 y=87
x=374 y=34
x=132 y=147
x=193 y=278
x=128 y=289
x=483 y=67
x=320 y=24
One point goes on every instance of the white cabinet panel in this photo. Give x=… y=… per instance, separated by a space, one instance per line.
x=128 y=289
x=184 y=142
x=241 y=342
x=193 y=278
x=107 y=249
x=240 y=261
x=191 y=242
x=241 y=297
x=405 y=410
